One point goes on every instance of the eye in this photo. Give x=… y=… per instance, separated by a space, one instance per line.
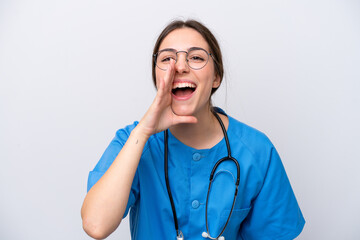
x=167 y=59
x=196 y=59
x=197 y=56
x=166 y=56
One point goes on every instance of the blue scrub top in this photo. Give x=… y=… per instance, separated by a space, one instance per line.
x=265 y=208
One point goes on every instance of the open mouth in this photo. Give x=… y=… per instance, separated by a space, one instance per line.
x=183 y=90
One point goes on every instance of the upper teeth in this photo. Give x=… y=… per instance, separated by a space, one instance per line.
x=183 y=85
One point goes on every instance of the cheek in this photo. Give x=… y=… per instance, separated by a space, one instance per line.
x=210 y=71
x=208 y=76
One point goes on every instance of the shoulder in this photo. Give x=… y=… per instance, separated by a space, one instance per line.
x=246 y=136
x=249 y=136
x=251 y=145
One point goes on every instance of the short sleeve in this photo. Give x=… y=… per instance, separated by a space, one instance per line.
x=108 y=158
x=275 y=213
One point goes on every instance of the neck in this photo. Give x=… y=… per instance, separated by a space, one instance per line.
x=204 y=134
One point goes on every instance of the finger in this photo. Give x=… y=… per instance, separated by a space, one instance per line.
x=160 y=86
x=169 y=76
x=184 y=119
x=165 y=85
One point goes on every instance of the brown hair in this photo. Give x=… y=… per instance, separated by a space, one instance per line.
x=205 y=33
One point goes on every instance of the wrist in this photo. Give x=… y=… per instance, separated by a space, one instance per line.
x=140 y=133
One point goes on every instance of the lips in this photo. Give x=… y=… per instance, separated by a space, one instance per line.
x=183 y=89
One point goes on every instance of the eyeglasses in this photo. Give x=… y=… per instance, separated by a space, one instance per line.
x=196 y=58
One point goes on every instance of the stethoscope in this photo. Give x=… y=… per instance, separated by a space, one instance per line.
x=179 y=234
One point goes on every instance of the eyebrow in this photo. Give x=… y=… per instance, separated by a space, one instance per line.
x=168 y=49
x=175 y=50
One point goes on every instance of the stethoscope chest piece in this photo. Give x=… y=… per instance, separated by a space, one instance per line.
x=180 y=236
x=207 y=235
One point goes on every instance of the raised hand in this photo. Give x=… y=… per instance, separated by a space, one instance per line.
x=160 y=115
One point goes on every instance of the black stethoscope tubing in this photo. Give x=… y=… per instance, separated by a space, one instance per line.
x=229 y=157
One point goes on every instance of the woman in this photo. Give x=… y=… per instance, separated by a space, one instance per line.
x=183 y=135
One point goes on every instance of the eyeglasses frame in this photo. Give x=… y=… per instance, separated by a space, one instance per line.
x=187 y=54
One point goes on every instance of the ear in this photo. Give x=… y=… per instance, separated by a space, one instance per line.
x=216 y=82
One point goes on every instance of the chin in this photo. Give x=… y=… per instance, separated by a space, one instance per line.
x=184 y=110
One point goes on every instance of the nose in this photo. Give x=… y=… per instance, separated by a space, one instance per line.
x=181 y=65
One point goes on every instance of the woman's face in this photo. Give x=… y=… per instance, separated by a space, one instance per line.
x=191 y=88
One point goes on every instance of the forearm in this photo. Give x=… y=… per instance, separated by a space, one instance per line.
x=105 y=203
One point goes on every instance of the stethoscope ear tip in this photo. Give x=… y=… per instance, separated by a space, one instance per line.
x=204 y=234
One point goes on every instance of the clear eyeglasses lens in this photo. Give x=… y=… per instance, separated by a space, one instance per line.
x=196 y=59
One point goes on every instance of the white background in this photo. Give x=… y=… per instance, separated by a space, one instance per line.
x=72 y=72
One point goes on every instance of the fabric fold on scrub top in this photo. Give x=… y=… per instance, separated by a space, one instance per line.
x=265 y=208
